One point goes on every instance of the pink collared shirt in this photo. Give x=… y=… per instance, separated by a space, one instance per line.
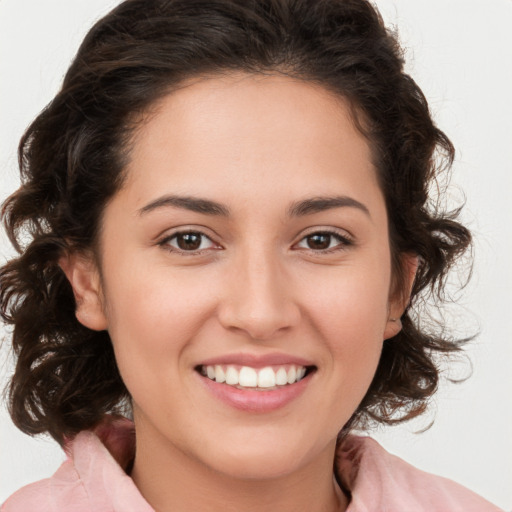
x=92 y=479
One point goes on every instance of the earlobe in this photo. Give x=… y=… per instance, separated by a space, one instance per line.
x=401 y=297
x=84 y=278
x=393 y=327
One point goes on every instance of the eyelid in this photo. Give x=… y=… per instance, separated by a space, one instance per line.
x=165 y=239
x=345 y=239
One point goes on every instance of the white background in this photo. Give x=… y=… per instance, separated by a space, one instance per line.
x=460 y=52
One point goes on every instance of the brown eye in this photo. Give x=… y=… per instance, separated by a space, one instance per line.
x=324 y=241
x=319 y=241
x=188 y=241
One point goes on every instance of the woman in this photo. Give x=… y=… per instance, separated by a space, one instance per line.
x=228 y=225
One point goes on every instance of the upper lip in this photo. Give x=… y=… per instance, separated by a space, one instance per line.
x=257 y=361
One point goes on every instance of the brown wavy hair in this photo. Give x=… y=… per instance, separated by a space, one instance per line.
x=72 y=160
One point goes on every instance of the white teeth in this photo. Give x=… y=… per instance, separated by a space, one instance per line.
x=281 y=377
x=220 y=376
x=247 y=377
x=231 y=376
x=266 y=378
x=292 y=375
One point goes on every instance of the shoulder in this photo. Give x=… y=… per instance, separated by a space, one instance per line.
x=31 y=497
x=91 y=479
x=62 y=489
x=378 y=480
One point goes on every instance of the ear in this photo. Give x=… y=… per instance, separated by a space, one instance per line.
x=401 y=294
x=84 y=277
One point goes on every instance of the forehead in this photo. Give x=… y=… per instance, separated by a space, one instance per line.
x=242 y=134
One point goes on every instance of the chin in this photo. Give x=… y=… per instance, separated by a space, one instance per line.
x=262 y=466
x=261 y=460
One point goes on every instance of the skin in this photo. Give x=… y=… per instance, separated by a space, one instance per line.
x=257 y=285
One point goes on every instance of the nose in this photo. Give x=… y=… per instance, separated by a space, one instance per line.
x=259 y=298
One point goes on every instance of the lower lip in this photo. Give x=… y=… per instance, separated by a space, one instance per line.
x=256 y=401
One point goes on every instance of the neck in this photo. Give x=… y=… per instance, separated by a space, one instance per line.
x=170 y=480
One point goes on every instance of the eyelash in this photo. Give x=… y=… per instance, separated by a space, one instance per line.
x=165 y=243
x=344 y=241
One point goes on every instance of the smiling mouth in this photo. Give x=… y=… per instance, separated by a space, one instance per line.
x=256 y=379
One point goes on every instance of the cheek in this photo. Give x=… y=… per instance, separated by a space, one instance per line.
x=352 y=303
x=151 y=317
x=152 y=296
x=350 y=316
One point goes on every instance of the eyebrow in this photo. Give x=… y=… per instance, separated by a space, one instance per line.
x=297 y=209
x=194 y=204
x=320 y=204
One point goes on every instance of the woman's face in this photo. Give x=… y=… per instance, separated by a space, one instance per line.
x=248 y=243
